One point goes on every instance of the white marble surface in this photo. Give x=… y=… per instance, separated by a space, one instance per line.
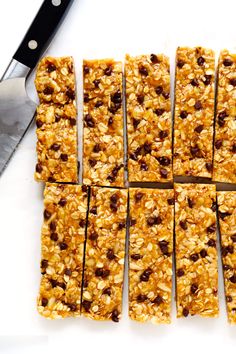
x=95 y=29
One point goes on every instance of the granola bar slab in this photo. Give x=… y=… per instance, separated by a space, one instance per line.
x=195 y=250
x=150 y=254
x=225 y=129
x=148 y=105
x=56 y=143
x=103 y=159
x=227 y=220
x=105 y=253
x=194 y=112
x=55 y=80
x=63 y=236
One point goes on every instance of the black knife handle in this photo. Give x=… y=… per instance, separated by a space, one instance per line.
x=41 y=31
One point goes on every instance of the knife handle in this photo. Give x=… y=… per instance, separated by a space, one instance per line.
x=41 y=31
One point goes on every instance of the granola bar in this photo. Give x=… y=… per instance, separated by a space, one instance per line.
x=56 y=143
x=55 y=80
x=148 y=118
x=224 y=169
x=194 y=112
x=195 y=250
x=150 y=254
x=227 y=221
x=63 y=236
x=105 y=253
x=103 y=161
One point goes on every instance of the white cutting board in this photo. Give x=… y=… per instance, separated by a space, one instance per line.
x=95 y=29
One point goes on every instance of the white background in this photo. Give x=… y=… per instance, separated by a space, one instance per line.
x=95 y=29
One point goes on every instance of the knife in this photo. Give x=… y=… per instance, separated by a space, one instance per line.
x=16 y=108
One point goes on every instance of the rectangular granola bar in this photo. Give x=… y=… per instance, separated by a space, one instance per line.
x=103 y=159
x=56 y=121
x=63 y=236
x=105 y=254
x=56 y=143
x=194 y=112
x=224 y=169
x=227 y=221
x=150 y=254
x=195 y=250
x=148 y=118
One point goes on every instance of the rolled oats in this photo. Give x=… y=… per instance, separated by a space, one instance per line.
x=150 y=254
x=195 y=250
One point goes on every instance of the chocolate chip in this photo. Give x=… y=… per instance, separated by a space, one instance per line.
x=163 y=134
x=68 y=272
x=195 y=151
x=51 y=179
x=132 y=222
x=53 y=226
x=110 y=121
x=194 y=257
x=140 y=99
x=224 y=251
x=180 y=272
x=64 y=157
x=209 y=166
x=207 y=80
x=145 y=275
x=180 y=63
x=164 y=247
x=44 y=302
x=62 y=202
x=143 y=166
x=47 y=214
x=234 y=148
x=159 y=90
x=143 y=70
x=183 y=224
x=159 y=111
x=198 y=105
x=84 y=188
x=116 y=98
x=226 y=267
x=114 y=108
x=199 y=128
x=213 y=206
x=135 y=123
x=110 y=254
x=113 y=207
x=154 y=220
x=166 y=95
x=232 y=82
x=154 y=59
x=141 y=298
x=115 y=316
x=70 y=94
x=114 y=198
x=233 y=238
x=89 y=120
x=82 y=223
x=211 y=229
x=138 y=196
x=105 y=273
x=233 y=279
x=72 y=121
x=92 y=162
x=227 y=62
x=211 y=243
x=93 y=210
x=183 y=114
x=57 y=118
x=44 y=263
x=223 y=215
x=98 y=104
x=86 y=69
x=136 y=256
x=185 y=312
x=194 y=288
x=54 y=236
x=218 y=143
x=200 y=61
x=107 y=291
x=164 y=160
x=93 y=236
x=96 y=83
x=108 y=71
x=194 y=82
x=63 y=246
x=39 y=167
x=48 y=90
x=190 y=203
x=86 y=98
x=203 y=253
x=228 y=298
x=158 y=300
x=53 y=283
x=39 y=123
x=99 y=272
x=72 y=307
x=55 y=147
x=147 y=147
x=121 y=225
x=61 y=285
x=86 y=305
x=171 y=201
x=163 y=173
x=230 y=249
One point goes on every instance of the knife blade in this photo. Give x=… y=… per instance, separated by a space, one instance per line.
x=16 y=108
